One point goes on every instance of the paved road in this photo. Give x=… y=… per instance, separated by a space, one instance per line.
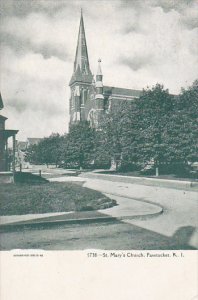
x=176 y=228
x=115 y=235
x=180 y=208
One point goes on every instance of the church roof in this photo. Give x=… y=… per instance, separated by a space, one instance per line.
x=116 y=91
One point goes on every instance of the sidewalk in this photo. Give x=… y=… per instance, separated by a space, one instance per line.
x=126 y=208
x=150 y=181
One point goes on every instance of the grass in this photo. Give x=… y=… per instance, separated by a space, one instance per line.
x=20 y=198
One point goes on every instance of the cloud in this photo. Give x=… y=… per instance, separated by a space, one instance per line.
x=31 y=83
x=178 y=5
x=22 y=8
x=187 y=9
x=136 y=62
x=41 y=33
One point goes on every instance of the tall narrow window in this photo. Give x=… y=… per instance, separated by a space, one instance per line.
x=85 y=96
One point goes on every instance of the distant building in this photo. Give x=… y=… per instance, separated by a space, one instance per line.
x=21 y=147
x=89 y=98
x=33 y=141
x=5 y=163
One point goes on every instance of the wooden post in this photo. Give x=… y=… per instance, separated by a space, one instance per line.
x=13 y=147
x=6 y=155
x=40 y=173
x=157 y=172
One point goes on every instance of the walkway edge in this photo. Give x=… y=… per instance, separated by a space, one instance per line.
x=34 y=223
x=192 y=185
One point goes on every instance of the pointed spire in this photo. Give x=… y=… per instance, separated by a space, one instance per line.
x=99 y=72
x=99 y=84
x=81 y=64
x=81 y=58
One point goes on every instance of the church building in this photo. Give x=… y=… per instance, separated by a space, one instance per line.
x=90 y=99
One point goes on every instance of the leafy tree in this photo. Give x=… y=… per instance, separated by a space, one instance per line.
x=32 y=155
x=158 y=128
x=47 y=151
x=79 y=145
x=155 y=107
x=102 y=157
x=110 y=135
x=118 y=135
x=129 y=136
x=182 y=129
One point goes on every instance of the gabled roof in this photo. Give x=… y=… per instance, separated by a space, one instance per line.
x=116 y=91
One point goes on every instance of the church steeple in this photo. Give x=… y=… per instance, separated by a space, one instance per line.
x=99 y=84
x=81 y=71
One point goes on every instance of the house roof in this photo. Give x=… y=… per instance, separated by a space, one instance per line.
x=3 y=118
x=6 y=133
x=33 y=141
x=111 y=90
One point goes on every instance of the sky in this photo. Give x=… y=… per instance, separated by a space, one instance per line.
x=140 y=42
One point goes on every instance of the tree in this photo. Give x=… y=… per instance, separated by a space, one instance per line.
x=154 y=109
x=182 y=129
x=32 y=155
x=111 y=133
x=47 y=151
x=102 y=157
x=118 y=135
x=79 y=145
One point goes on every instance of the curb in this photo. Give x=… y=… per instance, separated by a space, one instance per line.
x=58 y=222
x=77 y=221
x=178 y=184
x=141 y=216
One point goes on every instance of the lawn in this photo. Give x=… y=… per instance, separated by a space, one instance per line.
x=18 y=199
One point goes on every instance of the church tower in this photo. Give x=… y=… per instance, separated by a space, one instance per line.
x=82 y=78
x=99 y=98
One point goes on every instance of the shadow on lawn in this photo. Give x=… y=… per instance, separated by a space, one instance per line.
x=26 y=177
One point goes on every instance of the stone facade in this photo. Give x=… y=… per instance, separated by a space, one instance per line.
x=90 y=99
